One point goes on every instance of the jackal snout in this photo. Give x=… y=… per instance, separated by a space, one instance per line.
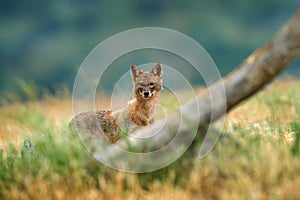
x=145 y=92
x=147 y=84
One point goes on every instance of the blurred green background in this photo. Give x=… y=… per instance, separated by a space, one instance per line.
x=44 y=42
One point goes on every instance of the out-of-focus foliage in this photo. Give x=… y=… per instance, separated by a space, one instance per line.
x=44 y=42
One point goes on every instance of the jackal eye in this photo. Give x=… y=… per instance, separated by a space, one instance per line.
x=152 y=88
x=151 y=84
x=140 y=89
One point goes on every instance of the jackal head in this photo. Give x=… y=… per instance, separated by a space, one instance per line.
x=147 y=84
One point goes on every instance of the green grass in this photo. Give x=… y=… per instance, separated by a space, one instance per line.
x=257 y=157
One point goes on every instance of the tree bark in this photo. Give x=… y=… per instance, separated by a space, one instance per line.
x=264 y=64
x=255 y=72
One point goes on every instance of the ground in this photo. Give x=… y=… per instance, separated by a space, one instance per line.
x=257 y=157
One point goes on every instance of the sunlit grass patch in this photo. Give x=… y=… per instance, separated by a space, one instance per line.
x=257 y=156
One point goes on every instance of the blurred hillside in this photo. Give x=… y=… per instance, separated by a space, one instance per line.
x=44 y=42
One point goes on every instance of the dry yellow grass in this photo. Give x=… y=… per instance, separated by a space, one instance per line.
x=252 y=161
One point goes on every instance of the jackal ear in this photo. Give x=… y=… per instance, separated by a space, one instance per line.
x=135 y=71
x=157 y=71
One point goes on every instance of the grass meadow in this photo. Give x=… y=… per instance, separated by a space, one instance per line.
x=257 y=157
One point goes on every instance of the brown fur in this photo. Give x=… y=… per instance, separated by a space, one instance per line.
x=138 y=112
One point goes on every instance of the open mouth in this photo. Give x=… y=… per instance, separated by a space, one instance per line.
x=146 y=97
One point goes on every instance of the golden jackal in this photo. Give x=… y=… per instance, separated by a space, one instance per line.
x=138 y=112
